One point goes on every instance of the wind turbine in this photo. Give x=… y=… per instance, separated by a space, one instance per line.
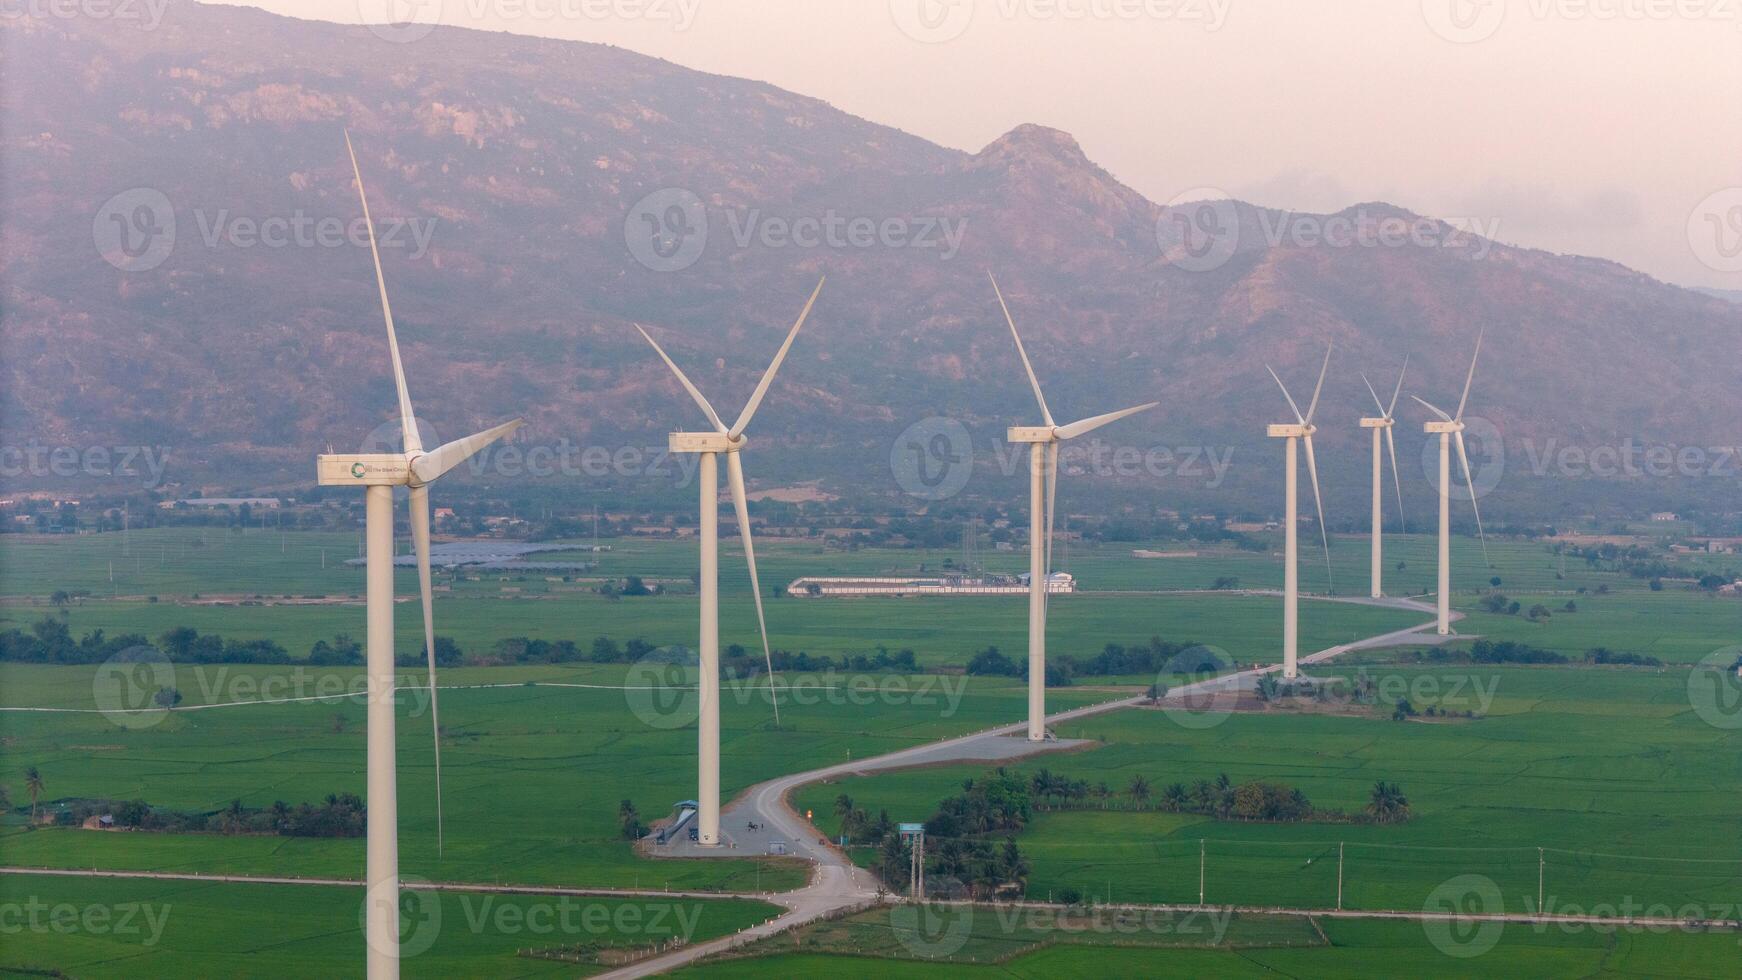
x=1383 y=423
x=378 y=474
x=1448 y=427
x=710 y=446
x=1043 y=470
x=1300 y=431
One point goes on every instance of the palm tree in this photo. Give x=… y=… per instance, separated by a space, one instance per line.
x=33 y=786
x=1139 y=790
x=1387 y=804
x=1174 y=798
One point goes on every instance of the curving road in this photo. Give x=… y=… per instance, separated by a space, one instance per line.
x=837 y=886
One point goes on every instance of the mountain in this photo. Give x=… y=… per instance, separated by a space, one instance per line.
x=539 y=197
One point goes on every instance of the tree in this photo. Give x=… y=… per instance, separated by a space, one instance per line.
x=1656 y=584
x=1387 y=804
x=1139 y=790
x=167 y=697
x=1174 y=798
x=1404 y=709
x=1495 y=581
x=33 y=786
x=1539 y=612
x=629 y=820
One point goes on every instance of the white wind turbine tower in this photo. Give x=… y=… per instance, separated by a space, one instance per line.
x=710 y=446
x=1043 y=472
x=1383 y=423
x=1449 y=427
x=1300 y=431
x=378 y=474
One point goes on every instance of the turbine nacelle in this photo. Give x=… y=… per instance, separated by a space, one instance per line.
x=1291 y=430
x=1033 y=433
x=363 y=470
x=1442 y=427
x=1379 y=423
x=706 y=442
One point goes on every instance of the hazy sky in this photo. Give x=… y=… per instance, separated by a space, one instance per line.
x=1602 y=127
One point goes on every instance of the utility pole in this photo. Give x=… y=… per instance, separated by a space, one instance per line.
x=1339 y=876
x=1200 y=872
x=1540 y=862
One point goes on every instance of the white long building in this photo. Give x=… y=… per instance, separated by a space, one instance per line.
x=815 y=586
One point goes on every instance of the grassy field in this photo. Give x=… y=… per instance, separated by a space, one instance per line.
x=182 y=561
x=1611 y=770
x=1677 y=625
x=532 y=775
x=1350 y=949
x=132 y=928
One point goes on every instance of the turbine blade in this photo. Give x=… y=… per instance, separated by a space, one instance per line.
x=1291 y=405
x=707 y=409
x=430 y=466
x=1375 y=394
x=1314 y=407
x=407 y=420
x=1443 y=416
x=1399 y=389
x=1089 y=425
x=768 y=376
x=1470 y=481
x=735 y=475
x=1324 y=535
x=420 y=541
x=1032 y=380
x=1472 y=375
x=1396 y=478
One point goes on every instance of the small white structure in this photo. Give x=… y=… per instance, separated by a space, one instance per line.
x=816 y=586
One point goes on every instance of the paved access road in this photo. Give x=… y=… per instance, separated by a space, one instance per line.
x=837 y=886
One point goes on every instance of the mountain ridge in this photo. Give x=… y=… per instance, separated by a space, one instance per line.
x=529 y=158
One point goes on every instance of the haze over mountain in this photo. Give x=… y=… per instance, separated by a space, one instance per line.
x=512 y=178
